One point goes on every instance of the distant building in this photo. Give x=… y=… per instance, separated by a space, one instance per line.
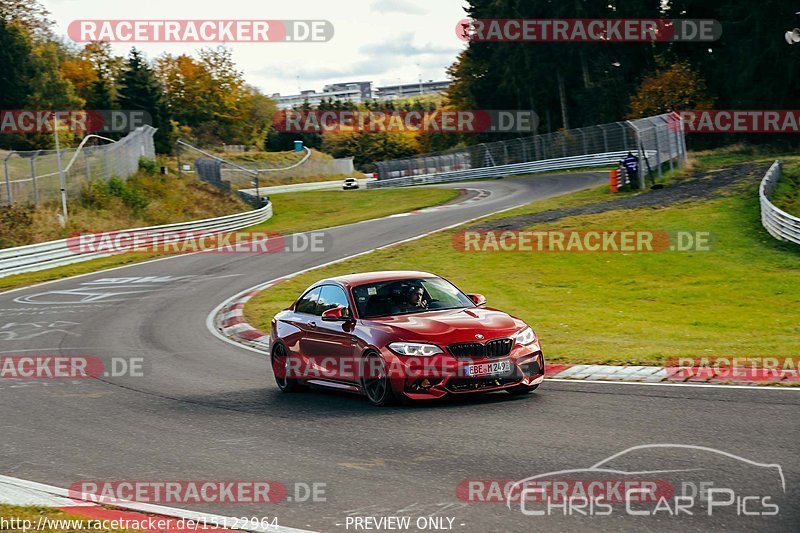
x=408 y=90
x=354 y=91
x=358 y=92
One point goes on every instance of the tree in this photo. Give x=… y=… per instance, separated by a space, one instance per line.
x=30 y=15
x=16 y=64
x=140 y=90
x=367 y=148
x=676 y=88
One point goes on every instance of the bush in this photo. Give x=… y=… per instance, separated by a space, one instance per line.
x=149 y=166
x=130 y=196
x=100 y=195
x=15 y=224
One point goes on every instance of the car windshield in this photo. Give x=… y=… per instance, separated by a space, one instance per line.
x=406 y=296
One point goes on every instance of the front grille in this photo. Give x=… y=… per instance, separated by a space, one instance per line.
x=466 y=349
x=476 y=384
x=474 y=350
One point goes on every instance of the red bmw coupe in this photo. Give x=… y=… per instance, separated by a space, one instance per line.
x=401 y=335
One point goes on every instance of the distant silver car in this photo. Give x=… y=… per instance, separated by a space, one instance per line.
x=350 y=183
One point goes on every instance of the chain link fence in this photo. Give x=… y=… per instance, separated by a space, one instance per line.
x=32 y=177
x=283 y=169
x=656 y=140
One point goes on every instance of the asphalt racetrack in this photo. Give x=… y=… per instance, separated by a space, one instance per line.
x=209 y=410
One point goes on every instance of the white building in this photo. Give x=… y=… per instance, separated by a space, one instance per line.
x=358 y=92
x=409 y=90
x=355 y=92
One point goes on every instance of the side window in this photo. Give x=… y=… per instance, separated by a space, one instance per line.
x=308 y=303
x=332 y=296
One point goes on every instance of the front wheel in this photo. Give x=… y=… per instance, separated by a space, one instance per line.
x=375 y=381
x=280 y=367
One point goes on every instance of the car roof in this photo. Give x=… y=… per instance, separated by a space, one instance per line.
x=377 y=277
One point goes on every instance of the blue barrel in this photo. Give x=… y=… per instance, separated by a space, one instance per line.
x=298 y=146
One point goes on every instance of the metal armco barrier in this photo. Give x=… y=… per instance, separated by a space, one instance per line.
x=51 y=254
x=580 y=161
x=778 y=223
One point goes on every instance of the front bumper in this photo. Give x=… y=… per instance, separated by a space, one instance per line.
x=433 y=381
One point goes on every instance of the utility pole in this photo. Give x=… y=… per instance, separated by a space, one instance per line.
x=61 y=175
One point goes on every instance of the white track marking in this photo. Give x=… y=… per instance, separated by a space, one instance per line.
x=646 y=384
x=15 y=485
x=139 y=263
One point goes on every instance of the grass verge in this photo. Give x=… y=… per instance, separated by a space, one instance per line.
x=294 y=212
x=30 y=516
x=787 y=193
x=620 y=308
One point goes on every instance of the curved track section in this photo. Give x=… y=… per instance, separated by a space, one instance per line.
x=207 y=410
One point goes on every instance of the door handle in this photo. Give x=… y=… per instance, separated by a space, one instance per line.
x=312 y=324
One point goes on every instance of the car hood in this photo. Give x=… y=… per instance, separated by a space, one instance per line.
x=449 y=326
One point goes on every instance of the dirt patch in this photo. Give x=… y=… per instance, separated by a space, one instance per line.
x=700 y=186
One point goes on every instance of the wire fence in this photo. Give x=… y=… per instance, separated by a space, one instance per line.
x=32 y=177
x=282 y=169
x=660 y=137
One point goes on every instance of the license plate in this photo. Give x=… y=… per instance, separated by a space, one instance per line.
x=488 y=369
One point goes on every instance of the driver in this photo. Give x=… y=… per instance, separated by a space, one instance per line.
x=416 y=298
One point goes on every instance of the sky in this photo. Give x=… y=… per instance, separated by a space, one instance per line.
x=384 y=41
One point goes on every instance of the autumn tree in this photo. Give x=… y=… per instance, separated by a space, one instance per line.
x=675 y=88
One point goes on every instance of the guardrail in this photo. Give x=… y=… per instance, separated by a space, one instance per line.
x=300 y=187
x=531 y=167
x=51 y=254
x=778 y=223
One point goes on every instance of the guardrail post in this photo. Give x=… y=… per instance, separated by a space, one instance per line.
x=8 y=180
x=658 y=151
x=86 y=166
x=33 y=179
x=583 y=138
x=669 y=145
x=641 y=151
x=624 y=136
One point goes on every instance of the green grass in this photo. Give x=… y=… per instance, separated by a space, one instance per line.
x=301 y=211
x=787 y=193
x=634 y=308
x=34 y=514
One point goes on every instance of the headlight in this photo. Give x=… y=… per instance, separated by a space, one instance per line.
x=526 y=336
x=415 y=348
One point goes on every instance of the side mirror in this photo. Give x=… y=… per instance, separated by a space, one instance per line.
x=477 y=299
x=337 y=314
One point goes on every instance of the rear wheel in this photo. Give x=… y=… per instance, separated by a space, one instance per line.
x=280 y=367
x=375 y=381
